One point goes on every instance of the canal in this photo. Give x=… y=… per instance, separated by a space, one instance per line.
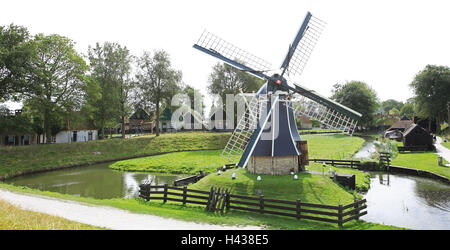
x=97 y=181
x=408 y=201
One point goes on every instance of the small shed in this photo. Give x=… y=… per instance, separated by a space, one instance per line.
x=401 y=125
x=417 y=136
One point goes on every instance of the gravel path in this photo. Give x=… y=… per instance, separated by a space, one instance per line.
x=106 y=217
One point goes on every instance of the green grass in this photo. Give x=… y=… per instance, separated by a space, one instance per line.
x=309 y=188
x=421 y=160
x=175 y=163
x=198 y=214
x=446 y=144
x=336 y=147
x=15 y=218
x=23 y=159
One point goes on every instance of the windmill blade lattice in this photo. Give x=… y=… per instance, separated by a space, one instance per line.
x=303 y=45
x=329 y=117
x=217 y=45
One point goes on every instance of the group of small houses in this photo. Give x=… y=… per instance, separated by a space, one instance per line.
x=139 y=122
x=410 y=133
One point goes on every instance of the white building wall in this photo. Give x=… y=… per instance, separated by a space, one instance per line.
x=82 y=135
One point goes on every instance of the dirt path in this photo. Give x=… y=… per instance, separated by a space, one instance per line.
x=106 y=217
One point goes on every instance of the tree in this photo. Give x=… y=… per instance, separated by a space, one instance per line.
x=15 y=53
x=394 y=112
x=407 y=110
x=388 y=105
x=157 y=80
x=225 y=79
x=431 y=88
x=56 y=78
x=111 y=66
x=359 y=97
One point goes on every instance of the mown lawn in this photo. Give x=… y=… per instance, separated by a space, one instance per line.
x=421 y=160
x=15 y=218
x=21 y=159
x=338 y=147
x=175 y=163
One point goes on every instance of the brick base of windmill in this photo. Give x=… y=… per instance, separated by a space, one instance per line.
x=280 y=165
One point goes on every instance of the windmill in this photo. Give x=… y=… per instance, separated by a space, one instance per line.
x=266 y=138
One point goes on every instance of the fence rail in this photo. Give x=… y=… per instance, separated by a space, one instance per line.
x=220 y=200
x=332 y=162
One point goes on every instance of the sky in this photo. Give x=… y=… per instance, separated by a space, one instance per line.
x=382 y=43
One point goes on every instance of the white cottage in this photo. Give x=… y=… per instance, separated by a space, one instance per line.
x=76 y=135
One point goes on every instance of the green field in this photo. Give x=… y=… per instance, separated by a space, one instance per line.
x=26 y=159
x=175 y=163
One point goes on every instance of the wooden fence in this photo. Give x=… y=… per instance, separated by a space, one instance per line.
x=189 y=179
x=221 y=199
x=332 y=162
x=416 y=148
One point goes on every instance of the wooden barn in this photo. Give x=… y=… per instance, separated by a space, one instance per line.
x=417 y=136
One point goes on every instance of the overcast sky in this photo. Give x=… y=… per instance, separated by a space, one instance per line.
x=383 y=43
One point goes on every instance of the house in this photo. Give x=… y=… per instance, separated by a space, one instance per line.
x=219 y=124
x=305 y=122
x=417 y=136
x=76 y=135
x=139 y=122
x=165 y=121
x=401 y=125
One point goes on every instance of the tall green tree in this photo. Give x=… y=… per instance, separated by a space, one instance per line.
x=15 y=53
x=389 y=104
x=110 y=73
x=157 y=80
x=56 y=78
x=225 y=79
x=431 y=88
x=358 y=96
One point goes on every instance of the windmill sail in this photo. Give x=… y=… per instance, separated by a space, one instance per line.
x=232 y=55
x=328 y=112
x=303 y=45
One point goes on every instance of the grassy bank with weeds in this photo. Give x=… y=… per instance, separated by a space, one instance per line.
x=27 y=159
x=175 y=163
x=15 y=218
x=198 y=214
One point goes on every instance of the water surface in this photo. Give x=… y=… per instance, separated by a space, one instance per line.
x=97 y=181
x=408 y=201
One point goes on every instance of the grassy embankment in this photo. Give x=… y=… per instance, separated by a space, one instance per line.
x=27 y=159
x=14 y=218
x=427 y=161
x=175 y=163
x=309 y=188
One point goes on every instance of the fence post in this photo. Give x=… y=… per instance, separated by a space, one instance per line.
x=298 y=209
x=340 y=216
x=261 y=203
x=209 y=199
x=165 y=193
x=356 y=209
x=184 y=194
x=227 y=205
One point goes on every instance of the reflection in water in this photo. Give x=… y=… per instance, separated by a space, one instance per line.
x=406 y=201
x=94 y=181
